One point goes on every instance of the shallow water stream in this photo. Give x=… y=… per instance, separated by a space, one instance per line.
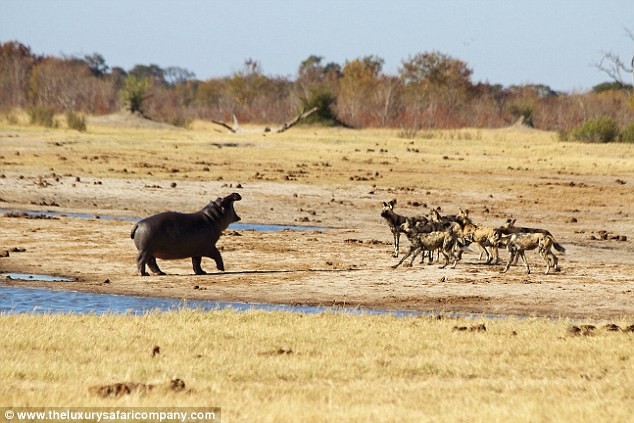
x=236 y=226
x=41 y=300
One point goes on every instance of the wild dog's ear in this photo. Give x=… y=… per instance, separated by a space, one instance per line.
x=393 y=202
x=384 y=204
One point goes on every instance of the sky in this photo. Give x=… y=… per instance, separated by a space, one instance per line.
x=552 y=42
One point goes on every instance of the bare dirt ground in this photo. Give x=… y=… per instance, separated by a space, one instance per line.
x=331 y=178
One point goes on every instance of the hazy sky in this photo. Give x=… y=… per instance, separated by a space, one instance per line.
x=552 y=42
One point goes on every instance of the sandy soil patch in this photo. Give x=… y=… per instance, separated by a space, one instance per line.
x=334 y=179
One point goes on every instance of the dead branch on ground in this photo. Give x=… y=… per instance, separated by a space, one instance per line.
x=235 y=126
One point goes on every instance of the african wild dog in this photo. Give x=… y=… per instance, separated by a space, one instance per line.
x=482 y=236
x=518 y=243
x=394 y=221
x=445 y=241
x=444 y=220
x=510 y=228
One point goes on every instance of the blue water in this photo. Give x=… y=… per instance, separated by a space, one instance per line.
x=235 y=226
x=41 y=300
x=36 y=277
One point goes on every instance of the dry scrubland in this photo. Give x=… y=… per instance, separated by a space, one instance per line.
x=279 y=366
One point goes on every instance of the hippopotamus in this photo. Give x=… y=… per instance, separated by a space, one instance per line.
x=173 y=235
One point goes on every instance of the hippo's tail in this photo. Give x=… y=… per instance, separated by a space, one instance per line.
x=133 y=231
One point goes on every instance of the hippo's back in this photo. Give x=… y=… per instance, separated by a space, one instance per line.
x=173 y=234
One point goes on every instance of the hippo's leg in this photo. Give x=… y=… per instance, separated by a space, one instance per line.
x=196 y=264
x=151 y=262
x=141 y=260
x=215 y=255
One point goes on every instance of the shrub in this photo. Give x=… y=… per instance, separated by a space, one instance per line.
x=134 y=93
x=627 y=134
x=599 y=129
x=76 y=121
x=523 y=114
x=42 y=115
x=12 y=118
x=407 y=133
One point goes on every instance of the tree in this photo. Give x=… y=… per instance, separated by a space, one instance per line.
x=436 y=86
x=151 y=72
x=175 y=75
x=435 y=69
x=97 y=64
x=357 y=89
x=134 y=93
x=616 y=68
x=16 y=63
x=316 y=86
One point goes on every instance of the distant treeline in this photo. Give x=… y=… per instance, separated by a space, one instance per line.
x=431 y=90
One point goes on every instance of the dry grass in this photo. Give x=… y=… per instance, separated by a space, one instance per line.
x=277 y=366
x=307 y=154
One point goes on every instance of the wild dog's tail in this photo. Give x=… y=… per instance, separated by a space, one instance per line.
x=559 y=247
x=133 y=231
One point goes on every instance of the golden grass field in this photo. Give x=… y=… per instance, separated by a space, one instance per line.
x=279 y=367
x=351 y=368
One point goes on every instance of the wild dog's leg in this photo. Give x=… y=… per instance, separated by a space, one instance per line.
x=448 y=248
x=484 y=251
x=512 y=257
x=496 y=253
x=555 y=262
x=409 y=253
x=418 y=251
x=546 y=252
x=551 y=260
x=446 y=257
x=523 y=257
x=397 y=241
x=489 y=254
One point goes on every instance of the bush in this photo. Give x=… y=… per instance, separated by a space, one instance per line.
x=600 y=129
x=76 y=121
x=627 y=133
x=42 y=115
x=134 y=93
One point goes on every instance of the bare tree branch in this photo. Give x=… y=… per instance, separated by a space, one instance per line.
x=235 y=128
x=613 y=66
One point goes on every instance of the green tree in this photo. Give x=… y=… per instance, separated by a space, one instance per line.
x=316 y=86
x=97 y=64
x=134 y=93
x=435 y=69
